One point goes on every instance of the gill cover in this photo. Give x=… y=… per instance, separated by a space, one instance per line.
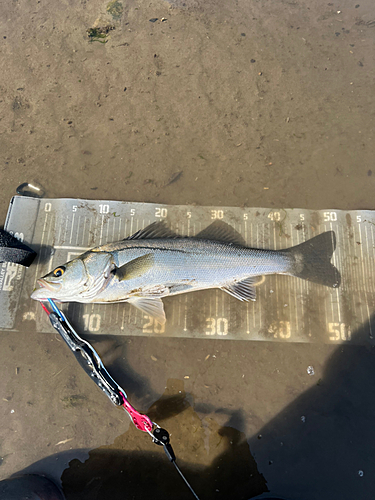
x=62 y=283
x=98 y=267
x=81 y=278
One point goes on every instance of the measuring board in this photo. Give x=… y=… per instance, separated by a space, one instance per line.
x=287 y=309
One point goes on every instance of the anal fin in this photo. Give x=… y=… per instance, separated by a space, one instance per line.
x=242 y=290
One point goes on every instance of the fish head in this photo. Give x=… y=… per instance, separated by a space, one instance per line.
x=79 y=280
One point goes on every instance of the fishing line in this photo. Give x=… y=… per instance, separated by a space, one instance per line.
x=186 y=481
x=55 y=308
x=44 y=308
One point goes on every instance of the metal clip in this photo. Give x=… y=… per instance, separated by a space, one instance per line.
x=161 y=437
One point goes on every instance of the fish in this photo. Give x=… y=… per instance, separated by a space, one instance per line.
x=155 y=262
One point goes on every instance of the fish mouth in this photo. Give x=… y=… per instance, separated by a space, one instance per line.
x=52 y=287
x=46 y=290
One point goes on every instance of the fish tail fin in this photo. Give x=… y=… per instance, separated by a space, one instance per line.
x=311 y=260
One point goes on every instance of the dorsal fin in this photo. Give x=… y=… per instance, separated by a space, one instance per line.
x=221 y=231
x=154 y=230
x=217 y=231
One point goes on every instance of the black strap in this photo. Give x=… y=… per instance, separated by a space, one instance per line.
x=12 y=250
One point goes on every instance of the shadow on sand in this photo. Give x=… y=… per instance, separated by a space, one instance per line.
x=320 y=446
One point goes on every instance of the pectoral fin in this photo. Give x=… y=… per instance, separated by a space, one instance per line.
x=135 y=268
x=151 y=307
x=242 y=290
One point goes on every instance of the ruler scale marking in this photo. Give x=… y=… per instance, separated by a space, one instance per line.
x=72 y=232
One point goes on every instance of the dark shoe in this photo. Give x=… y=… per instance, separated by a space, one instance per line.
x=30 y=487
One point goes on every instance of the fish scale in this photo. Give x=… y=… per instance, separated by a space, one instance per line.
x=148 y=266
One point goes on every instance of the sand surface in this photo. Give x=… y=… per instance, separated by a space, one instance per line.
x=261 y=103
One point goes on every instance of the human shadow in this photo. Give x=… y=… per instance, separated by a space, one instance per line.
x=321 y=446
x=123 y=471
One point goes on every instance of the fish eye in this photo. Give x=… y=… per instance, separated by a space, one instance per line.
x=59 y=271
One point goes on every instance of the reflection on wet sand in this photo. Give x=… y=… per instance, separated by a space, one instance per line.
x=322 y=438
x=223 y=468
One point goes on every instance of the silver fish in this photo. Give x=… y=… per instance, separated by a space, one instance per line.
x=154 y=263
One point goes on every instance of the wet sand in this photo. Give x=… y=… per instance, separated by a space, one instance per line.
x=221 y=103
